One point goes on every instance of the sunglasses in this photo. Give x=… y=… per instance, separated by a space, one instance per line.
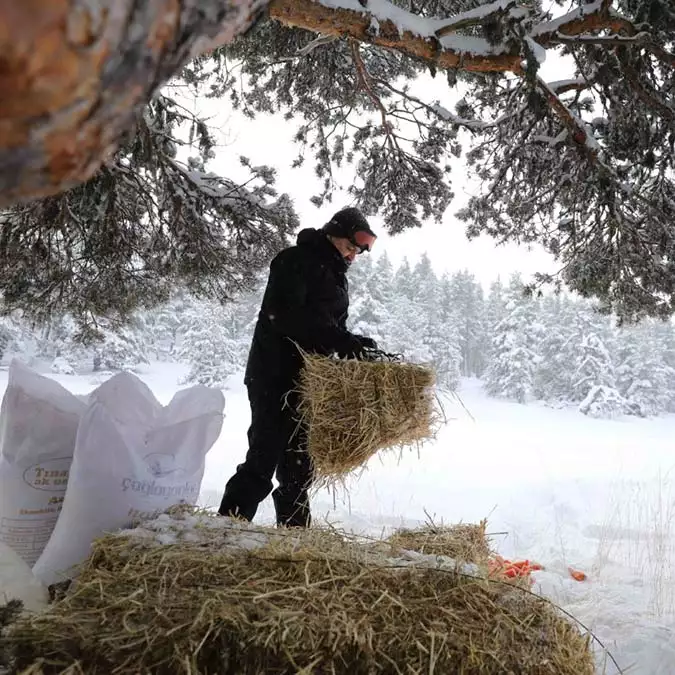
x=363 y=241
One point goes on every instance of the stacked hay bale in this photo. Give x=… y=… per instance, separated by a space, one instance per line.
x=192 y=593
x=351 y=409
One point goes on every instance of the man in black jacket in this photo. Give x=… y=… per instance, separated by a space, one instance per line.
x=305 y=305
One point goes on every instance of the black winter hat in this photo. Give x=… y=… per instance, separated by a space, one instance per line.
x=346 y=222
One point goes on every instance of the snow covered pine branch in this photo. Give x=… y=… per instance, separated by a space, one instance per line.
x=91 y=64
x=382 y=23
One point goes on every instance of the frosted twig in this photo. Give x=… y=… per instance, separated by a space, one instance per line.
x=309 y=48
x=611 y=40
x=365 y=81
x=475 y=16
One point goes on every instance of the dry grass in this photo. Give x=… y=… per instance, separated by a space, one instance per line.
x=638 y=533
x=243 y=600
x=352 y=409
x=463 y=542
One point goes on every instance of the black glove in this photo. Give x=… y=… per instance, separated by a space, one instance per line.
x=367 y=343
x=352 y=348
x=355 y=347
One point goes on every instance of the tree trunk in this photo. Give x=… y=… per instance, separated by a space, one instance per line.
x=74 y=72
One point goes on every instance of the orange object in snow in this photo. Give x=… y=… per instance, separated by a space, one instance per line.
x=578 y=575
x=512 y=570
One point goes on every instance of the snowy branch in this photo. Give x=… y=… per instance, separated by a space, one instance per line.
x=365 y=82
x=436 y=41
x=662 y=54
x=561 y=87
x=396 y=29
x=478 y=15
x=449 y=117
x=611 y=40
x=308 y=49
x=90 y=70
x=597 y=15
x=575 y=127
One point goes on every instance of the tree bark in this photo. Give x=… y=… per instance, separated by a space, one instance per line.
x=74 y=72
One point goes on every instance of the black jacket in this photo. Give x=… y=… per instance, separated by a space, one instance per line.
x=305 y=304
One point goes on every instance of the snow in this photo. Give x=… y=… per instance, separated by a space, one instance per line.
x=426 y=27
x=236 y=536
x=553 y=25
x=538 y=51
x=550 y=140
x=480 y=12
x=564 y=84
x=557 y=487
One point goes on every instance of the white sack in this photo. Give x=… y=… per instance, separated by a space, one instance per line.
x=38 y=427
x=17 y=582
x=133 y=459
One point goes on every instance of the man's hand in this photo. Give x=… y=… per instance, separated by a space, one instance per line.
x=355 y=347
x=366 y=342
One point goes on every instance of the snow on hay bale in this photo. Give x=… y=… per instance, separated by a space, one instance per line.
x=351 y=409
x=196 y=594
x=466 y=542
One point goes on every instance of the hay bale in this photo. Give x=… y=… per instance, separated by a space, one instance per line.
x=466 y=542
x=233 y=599
x=351 y=409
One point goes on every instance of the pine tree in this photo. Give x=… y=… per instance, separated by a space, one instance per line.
x=360 y=272
x=13 y=335
x=359 y=276
x=587 y=352
x=403 y=284
x=208 y=347
x=371 y=303
x=593 y=382
x=424 y=285
x=380 y=286
x=434 y=324
x=164 y=324
x=664 y=346
x=405 y=327
x=467 y=298
x=239 y=318
x=149 y=224
x=554 y=374
x=642 y=375
x=495 y=311
x=446 y=345
x=406 y=331
x=423 y=316
x=123 y=348
x=593 y=366
x=510 y=372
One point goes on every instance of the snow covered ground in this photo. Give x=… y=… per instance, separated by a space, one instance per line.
x=557 y=487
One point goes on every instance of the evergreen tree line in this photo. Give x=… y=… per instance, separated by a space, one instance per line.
x=524 y=347
x=553 y=348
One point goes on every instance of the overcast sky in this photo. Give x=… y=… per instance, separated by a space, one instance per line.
x=268 y=140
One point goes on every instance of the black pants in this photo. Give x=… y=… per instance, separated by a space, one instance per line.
x=275 y=444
